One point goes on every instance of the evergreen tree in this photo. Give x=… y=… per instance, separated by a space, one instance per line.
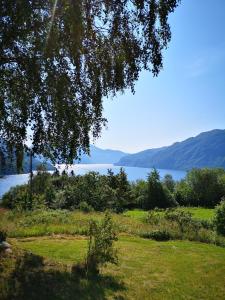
x=155 y=196
x=123 y=191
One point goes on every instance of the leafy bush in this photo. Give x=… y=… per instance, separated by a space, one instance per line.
x=59 y=201
x=46 y=217
x=201 y=187
x=16 y=198
x=158 y=235
x=182 y=218
x=207 y=224
x=153 y=217
x=85 y=207
x=100 y=245
x=219 y=219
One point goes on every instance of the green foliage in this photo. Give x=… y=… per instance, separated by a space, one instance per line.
x=182 y=218
x=201 y=187
x=100 y=244
x=156 y=194
x=219 y=219
x=68 y=192
x=85 y=207
x=123 y=192
x=68 y=57
x=114 y=192
x=158 y=235
x=153 y=217
x=17 y=198
x=41 y=182
x=168 y=182
x=139 y=191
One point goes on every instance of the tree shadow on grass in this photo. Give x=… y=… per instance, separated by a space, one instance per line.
x=33 y=279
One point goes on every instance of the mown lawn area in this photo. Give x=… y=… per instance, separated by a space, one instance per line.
x=47 y=244
x=147 y=269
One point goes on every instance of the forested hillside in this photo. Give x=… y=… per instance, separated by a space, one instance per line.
x=205 y=150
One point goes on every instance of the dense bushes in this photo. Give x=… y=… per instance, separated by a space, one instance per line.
x=201 y=187
x=92 y=191
x=87 y=192
x=158 y=235
x=219 y=220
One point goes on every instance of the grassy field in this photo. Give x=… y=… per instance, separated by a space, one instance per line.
x=42 y=223
x=53 y=241
x=197 y=212
x=146 y=270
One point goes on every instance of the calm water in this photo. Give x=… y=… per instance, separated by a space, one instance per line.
x=133 y=174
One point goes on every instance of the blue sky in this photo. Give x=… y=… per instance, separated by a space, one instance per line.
x=187 y=97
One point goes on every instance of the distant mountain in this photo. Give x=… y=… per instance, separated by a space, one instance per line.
x=97 y=156
x=8 y=168
x=205 y=150
x=101 y=156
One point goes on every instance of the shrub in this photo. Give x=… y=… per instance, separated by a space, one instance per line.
x=219 y=219
x=38 y=202
x=85 y=207
x=100 y=245
x=59 y=201
x=16 y=198
x=207 y=224
x=47 y=217
x=158 y=235
x=153 y=217
x=182 y=218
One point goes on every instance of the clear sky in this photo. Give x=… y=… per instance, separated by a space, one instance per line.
x=187 y=97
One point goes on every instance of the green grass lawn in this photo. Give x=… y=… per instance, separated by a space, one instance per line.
x=147 y=269
x=201 y=213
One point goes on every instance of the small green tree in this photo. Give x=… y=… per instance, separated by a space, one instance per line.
x=100 y=245
x=219 y=219
x=112 y=179
x=123 y=191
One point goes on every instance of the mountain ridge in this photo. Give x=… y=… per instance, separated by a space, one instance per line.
x=101 y=156
x=207 y=149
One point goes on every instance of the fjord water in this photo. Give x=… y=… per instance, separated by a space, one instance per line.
x=133 y=174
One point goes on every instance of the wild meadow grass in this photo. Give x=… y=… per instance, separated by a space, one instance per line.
x=197 y=212
x=153 y=224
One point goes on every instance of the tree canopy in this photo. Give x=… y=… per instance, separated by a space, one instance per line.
x=59 y=58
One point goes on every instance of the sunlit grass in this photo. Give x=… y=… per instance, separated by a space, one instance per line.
x=197 y=212
x=149 y=269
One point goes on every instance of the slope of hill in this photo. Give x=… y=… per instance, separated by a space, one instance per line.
x=9 y=168
x=101 y=156
x=205 y=150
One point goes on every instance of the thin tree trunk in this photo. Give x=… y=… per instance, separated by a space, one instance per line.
x=31 y=177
